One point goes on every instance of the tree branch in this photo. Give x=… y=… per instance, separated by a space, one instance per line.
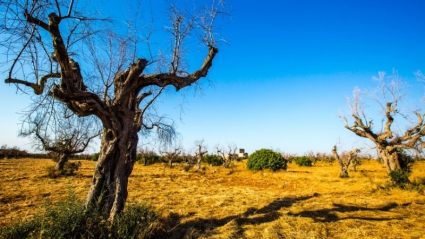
x=38 y=87
x=71 y=4
x=388 y=134
x=36 y=21
x=180 y=82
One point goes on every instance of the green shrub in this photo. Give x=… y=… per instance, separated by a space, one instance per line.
x=406 y=162
x=68 y=219
x=212 y=159
x=266 y=159
x=150 y=158
x=303 y=161
x=95 y=157
x=135 y=222
x=19 y=229
x=69 y=169
x=399 y=177
x=52 y=172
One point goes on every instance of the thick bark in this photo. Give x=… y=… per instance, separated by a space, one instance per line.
x=110 y=179
x=391 y=160
x=122 y=115
x=63 y=158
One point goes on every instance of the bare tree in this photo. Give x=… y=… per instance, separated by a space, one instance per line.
x=355 y=161
x=227 y=156
x=44 y=42
x=68 y=138
x=54 y=128
x=172 y=154
x=201 y=150
x=389 y=142
x=312 y=156
x=144 y=152
x=344 y=164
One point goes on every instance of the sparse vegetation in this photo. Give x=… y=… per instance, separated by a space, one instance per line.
x=69 y=169
x=149 y=158
x=303 y=161
x=12 y=152
x=399 y=177
x=213 y=159
x=302 y=202
x=68 y=219
x=95 y=157
x=266 y=159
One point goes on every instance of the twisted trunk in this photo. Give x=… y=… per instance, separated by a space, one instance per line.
x=391 y=160
x=343 y=167
x=63 y=158
x=352 y=155
x=108 y=190
x=121 y=115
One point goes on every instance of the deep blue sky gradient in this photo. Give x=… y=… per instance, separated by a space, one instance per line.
x=285 y=72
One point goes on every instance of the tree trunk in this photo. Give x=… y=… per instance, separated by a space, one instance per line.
x=344 y=171
x=63 y=158
x=198 y=163
x=108 y=190
x=391 y=160
x=355 y=163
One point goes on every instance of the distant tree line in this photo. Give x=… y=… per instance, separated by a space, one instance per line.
x=7 y=152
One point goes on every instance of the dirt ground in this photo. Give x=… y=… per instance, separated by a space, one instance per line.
x=302 y=202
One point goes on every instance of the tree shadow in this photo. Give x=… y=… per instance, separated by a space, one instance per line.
x=328 y=214
x=251 y=216
x=295 y=171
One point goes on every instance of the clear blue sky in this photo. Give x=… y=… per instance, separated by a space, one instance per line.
x=285 y=73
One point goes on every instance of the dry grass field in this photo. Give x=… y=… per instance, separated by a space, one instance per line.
x=303 y=202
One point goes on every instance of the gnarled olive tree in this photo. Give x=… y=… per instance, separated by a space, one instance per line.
x=344 y=164
x=389 y=141
x=49 y=43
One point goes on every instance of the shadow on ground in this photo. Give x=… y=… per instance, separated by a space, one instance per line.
x=197 y=227
x=329 y=214
x=205 y=227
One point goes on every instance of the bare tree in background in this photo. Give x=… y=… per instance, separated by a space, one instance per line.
x=64 y=135
x=201 y=150
x=345 y=164
x=47 y=43
x=227 y=156
x=312 y=156
x=171 y=154
x=390 y=142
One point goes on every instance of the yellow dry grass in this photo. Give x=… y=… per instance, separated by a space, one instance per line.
x=304 y=202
